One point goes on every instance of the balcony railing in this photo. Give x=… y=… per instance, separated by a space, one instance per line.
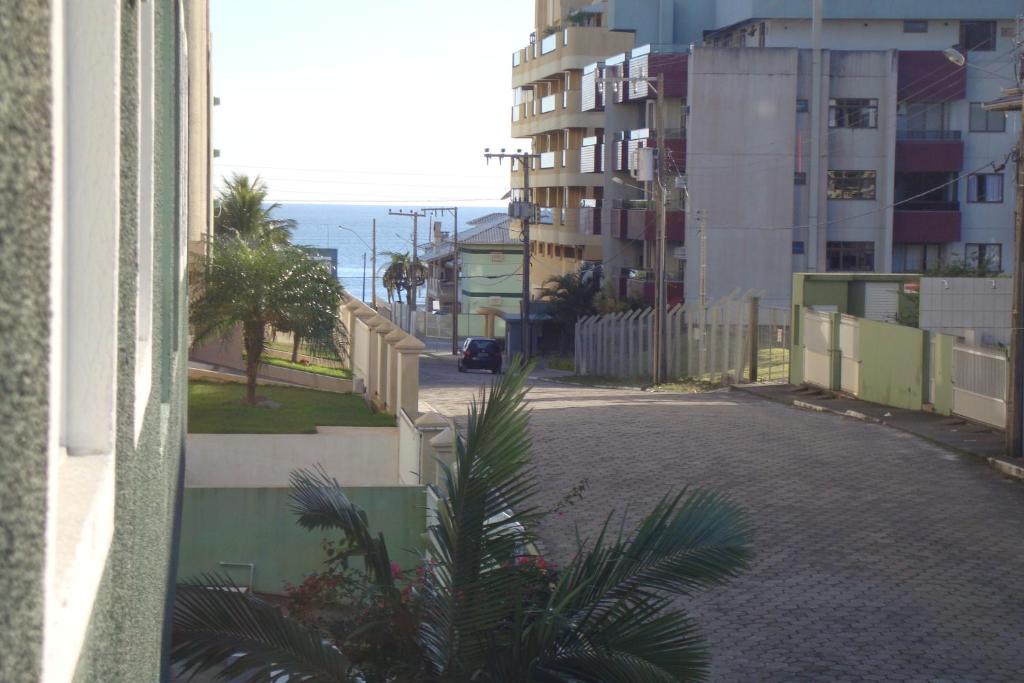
x=928 y=135
x=549 y=44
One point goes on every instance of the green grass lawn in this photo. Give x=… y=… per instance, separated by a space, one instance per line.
x=215 y=408
x=343 y=373
x=560 y=363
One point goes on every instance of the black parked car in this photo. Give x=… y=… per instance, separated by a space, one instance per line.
x=480 y=353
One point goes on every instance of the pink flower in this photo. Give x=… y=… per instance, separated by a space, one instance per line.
x=396 y=570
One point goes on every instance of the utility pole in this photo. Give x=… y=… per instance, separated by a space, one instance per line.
x=415 y=268
x=661 y=197
x=524 y=159
x=455 y=268
x=373 y=266
x=1015 y=395
x=702 y=223
x=364 y=278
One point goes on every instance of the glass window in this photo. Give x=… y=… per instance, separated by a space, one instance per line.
x=915 y=26
x=985 y=188
x=986 y=121
x=922 y=117
x=850 y=256
x=927 y=190
x=851 y=184
x=978 y=36
x=800 y=178
x=916 y=258
x=801 y=106
x=798 y=247
x=988 y=255
x=853 y=113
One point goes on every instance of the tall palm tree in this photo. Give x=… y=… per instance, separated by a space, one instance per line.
x=258 y=285
x=613 y=614
x=402 y=275
x=242 y=212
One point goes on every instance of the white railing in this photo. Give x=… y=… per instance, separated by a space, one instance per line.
x=979 y=384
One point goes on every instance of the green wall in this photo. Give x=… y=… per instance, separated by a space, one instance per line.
x=256 y=525
x=892 y=364
x=482 y=278
x=25 y=171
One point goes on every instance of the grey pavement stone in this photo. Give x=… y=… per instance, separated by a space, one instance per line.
x=879 y=556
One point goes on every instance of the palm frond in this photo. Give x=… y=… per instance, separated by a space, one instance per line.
x=218 y=628
x=320 y=503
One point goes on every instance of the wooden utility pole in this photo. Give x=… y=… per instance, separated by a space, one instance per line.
x=753 y=338
x=524 y=159
x=373 y=265
x=415 y=268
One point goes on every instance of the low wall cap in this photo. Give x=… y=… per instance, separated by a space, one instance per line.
x=410 y=344
x=429 y=420
x=365 y=313
x=443 y=440
x=395 y=335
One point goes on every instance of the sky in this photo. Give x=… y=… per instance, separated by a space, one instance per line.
x=368 y=102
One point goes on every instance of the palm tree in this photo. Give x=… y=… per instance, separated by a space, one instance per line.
x=571 y=297
x=242 y=212
x=258 y=285
x=612 y=613
x=401 y=274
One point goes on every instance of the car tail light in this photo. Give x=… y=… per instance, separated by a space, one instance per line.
x=466 y=354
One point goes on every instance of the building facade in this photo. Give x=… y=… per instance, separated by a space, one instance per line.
x=99 y=184
x=890 y=164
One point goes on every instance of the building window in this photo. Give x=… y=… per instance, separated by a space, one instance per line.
x=916 y=258
x=802 y=106
x=800 y=178
x=915 y=26
x=978 y=36
x=850 y=256
x=986 y=121
x=929 y=191
x=798 y=247
x=851 y=184
x=988 y=255
x=853 y=113
x=985 y=188
x=920 y=118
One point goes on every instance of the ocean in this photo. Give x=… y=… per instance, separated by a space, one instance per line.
x=318 y=227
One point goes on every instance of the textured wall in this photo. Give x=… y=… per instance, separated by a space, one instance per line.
x=126 y=639
x=24 y=307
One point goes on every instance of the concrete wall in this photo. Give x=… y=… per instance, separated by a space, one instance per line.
x=255 y=525
x=891 y=360
x=357 y=456
x=965 y=307
x=741 y=142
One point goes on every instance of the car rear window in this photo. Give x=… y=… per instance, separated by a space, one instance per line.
x=488 y=346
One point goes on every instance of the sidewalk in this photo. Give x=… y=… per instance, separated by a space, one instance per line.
x=952 y=432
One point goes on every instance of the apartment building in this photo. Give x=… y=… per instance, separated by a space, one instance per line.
x=898 y=139
x=99 y=185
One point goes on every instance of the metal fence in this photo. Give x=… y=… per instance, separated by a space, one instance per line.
x=711 y=344
x=979 y=384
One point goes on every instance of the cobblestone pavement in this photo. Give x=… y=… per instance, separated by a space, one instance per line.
x=879 y=556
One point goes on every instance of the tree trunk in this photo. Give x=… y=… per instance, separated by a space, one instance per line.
x=253 y=340
x=295 y=347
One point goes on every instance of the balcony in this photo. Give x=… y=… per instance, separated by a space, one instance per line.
x=590 y=89
x=559 y=168
x=926 y=222
x=592 y=155
x=573 y=47
x=648 y=62
x=643 y=288
x=554 y=112
x=675 y=145
x=441 y=290
x=638 y=220
x=928 y=76
x=929 y=151
x=590 y=217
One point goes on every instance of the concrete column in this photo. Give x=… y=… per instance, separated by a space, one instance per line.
x=429 y=425
x=391 y=386
x=408 y=375
x=372 y=376
x=380 y=367
x=359 y=335
x=347 y=312
x=443 y=447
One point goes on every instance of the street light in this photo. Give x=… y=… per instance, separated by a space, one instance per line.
x=373 y=260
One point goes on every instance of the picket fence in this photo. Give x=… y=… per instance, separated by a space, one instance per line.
x=711 y=344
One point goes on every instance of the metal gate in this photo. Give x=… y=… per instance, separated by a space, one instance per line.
x=979 y=384
x=817 y=342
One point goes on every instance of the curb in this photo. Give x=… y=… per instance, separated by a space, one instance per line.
x=553 y=380
x=1003 y=467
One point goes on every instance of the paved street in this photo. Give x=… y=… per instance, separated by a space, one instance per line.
x=879 y=556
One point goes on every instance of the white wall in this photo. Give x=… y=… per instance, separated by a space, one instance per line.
x=355 y=456
x=964 y=306
x=740 y=163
